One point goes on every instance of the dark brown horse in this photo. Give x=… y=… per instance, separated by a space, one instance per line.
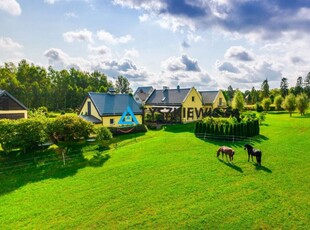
x=227 y=151
x=253 y=152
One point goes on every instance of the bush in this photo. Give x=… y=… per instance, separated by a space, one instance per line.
x=103 y=134
x=258 y=107
x=69 y=128
x=25 y=134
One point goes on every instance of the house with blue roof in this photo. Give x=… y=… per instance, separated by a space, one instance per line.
x=111 y=109
x=10 y=107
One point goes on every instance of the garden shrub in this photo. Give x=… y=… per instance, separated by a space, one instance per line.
x=69 y=128
x=103 y=134
x=26 y=134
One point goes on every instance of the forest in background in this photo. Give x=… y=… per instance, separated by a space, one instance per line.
x=36 y=86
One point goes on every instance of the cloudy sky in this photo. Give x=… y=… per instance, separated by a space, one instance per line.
x=209 y=44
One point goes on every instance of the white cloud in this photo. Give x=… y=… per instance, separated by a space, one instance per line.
x=186 y=72
x=8 y=43
x=71 y=15
x=60 y=60
x=11 y=6
x=183 y=63
x=131 y=53
x=79 y=35
x=99 y=52
x=111 y=39
x=50 y=1
x=239 y=53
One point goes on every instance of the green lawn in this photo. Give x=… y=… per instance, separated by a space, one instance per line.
x=168 y=179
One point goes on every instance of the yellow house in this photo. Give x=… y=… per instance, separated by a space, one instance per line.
x=10 y=107
x=213 y=99
x=111 y=109
x=174 y=105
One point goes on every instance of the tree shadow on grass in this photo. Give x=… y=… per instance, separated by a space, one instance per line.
x=47 y=164
x=231 y=165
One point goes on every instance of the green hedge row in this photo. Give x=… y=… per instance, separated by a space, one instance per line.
x=248 y=129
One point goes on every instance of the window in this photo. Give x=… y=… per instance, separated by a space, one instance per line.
x=193 y=98
x=111 y=121
x=220 y=102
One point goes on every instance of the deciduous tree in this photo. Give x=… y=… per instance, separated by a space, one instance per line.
x=238 y=100
x=289 y=103
x=302 y=103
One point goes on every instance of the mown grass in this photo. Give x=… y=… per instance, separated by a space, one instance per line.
x=169 y=179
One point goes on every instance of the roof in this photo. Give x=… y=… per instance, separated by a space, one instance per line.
x=208 y=97
x=4 y=92
x=168 y=96
x=90 y=119
x=143 y=92
x=113 y=104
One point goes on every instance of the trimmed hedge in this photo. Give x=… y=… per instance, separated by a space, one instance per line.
x=244 y=129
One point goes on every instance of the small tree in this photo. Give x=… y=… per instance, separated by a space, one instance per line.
x=103 y=135
x=238 y=100
x=262 y=117
x=289 y=103
x=278 y=102
x=302 y=103
x=266 y=103
x=69 y=128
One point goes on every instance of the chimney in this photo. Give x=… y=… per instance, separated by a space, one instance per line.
x=178 y=87
x=111 y=91
x=165 y=88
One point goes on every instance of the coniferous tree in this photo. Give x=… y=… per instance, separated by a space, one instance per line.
x=284 y=87
x=265 y=89
x=298 y=87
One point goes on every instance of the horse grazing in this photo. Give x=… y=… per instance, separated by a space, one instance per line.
x=227 y=151
x=253 y=152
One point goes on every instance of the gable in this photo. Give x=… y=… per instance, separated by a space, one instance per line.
x=193 y=98
x=8 y=102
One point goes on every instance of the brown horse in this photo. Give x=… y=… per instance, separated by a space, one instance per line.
x=227 y=151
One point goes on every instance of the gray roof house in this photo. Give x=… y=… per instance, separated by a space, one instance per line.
x=174 y=105
x=10 y=107
x=109 y=108
x=213 y=99
x=142 y=93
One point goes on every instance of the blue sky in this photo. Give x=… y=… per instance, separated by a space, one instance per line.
x=207 y=44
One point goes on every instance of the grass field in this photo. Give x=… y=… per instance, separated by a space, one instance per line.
x=168 y=179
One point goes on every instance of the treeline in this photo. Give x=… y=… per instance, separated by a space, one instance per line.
x=254 y=95
x=36 y=86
